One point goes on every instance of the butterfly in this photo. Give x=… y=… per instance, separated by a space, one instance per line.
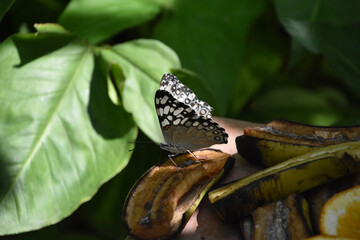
x=185 y=121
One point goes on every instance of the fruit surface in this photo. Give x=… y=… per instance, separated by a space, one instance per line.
x=283 y=219
x=324 y=237
x=236 y=200
x=350 y=133
x=280 y=140
x=341 y=214
x=269 y=152
x=164 y=198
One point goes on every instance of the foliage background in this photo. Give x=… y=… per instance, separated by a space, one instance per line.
x=251 y=60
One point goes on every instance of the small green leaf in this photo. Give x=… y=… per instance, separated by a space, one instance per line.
x=61 y=136
x=143 y=62
x=98 y=20
x=50 y=28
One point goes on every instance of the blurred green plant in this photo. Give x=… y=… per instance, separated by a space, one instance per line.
x=73 y=93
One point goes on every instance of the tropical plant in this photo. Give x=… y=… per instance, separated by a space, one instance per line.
x=77 y=81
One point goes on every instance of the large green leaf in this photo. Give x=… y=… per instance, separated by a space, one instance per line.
x=209 y=37
x=327 y=27
x=98 y=20
x=143 y=62
x=60 y=135
x=103 y=213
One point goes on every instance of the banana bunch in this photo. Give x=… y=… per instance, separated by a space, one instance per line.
x=299 y=157
x=281 y=140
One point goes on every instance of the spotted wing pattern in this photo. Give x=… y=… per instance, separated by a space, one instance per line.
x=183 y=94
x=183 y=127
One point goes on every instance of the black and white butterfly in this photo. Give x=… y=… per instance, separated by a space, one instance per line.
x=185 y=121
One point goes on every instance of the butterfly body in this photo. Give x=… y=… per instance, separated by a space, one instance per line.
x=185 y=121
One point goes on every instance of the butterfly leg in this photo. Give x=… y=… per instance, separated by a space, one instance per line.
x=173 y=161
x=197 y=160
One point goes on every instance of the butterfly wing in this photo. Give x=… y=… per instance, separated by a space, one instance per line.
x=183 y=94
x=182 y=128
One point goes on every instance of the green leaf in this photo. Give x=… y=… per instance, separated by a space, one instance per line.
x=196 y=84
x=98 y=20
x=5 y=6
x=116 y=81
x=340 y=47
x=330 y=28
x=250 y=78
x=298 y=53
x=103 y=213
x=50 y=28
x=325 y=106
x=61 y=136
x=143 y=63
x=334 y=12
x=209 y=37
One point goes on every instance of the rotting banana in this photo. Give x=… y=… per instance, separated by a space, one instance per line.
x=247 y=228
x=280 y=140
x=284 y=219
x=165 y=197
x=269 y=152
x=338 y=134
x=236 y=200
